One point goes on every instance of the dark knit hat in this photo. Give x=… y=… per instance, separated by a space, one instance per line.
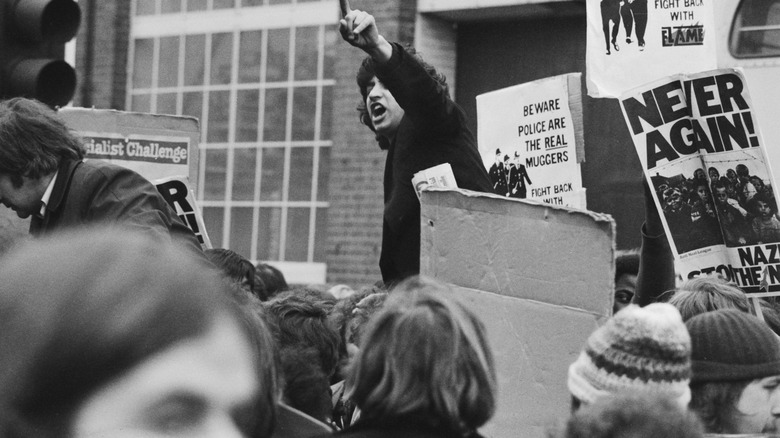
x=732 y=345
x=638 y=349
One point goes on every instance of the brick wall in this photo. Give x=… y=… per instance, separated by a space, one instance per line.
x=357 y=163
x=102 y=46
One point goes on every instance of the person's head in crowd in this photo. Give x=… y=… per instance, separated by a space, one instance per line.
x=113 y=334
x=673 y=198
x=34 y=140
x=742 y=171
x=373 y=92
x=364 y=310
x=498 y=156
x=518 y=162
x=641 y=349
x=731 y=191
x=306 y=386
x=714 y=174
x=632 y=415
x=235 y=267
x=506 y=161
x=731 y=175
x=762 y=206
x=703 y=192
x=626 y=271
x=705 y=294
x=301 y=317
x=720 y=194
x=424 y=362
x=757 y=182
x=350 y=315
x=269 y=281
x=300 y=322
x=736 y=373
x=698 y=174
x=748 y=190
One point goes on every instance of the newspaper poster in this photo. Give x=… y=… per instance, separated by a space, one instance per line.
x=704 y=158
x=633 y=42
x=436 y=176
x=530 y=140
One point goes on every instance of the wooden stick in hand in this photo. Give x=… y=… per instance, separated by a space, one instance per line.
x=345 y=9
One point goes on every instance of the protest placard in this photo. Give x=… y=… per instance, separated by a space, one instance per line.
x=154 y=145
x=161 y=148
x=530 y=140
x=541 y=277
x=703 y=156
x=633 y=42
x=176 y=190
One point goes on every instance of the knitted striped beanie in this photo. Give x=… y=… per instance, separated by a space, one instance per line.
x=731 y=345
x=639 y=348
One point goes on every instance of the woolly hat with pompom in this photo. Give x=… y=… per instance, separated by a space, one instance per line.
x=638 y=349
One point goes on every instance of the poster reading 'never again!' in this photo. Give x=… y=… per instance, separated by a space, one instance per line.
x=633 y=42
x=704 y=158
x=530 y=140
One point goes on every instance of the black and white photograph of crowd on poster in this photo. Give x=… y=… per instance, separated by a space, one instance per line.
x=729 y=200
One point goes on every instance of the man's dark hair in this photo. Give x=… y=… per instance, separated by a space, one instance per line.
x=269 y=281
x=627 y=262
x=300 y=317
x=34 y=140
x=367 y=71
x=306 y=386
x=233 y=265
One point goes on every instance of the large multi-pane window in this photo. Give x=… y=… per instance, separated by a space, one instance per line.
x=756 y=29
x=258 y=74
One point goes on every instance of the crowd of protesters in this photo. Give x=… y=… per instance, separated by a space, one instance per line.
x=110 y=333
x=115 y=324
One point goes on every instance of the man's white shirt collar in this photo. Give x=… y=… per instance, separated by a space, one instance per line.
x=47 y=194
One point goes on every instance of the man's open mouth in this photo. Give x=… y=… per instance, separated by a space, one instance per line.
x=377 y=109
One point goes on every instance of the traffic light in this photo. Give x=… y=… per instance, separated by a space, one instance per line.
x=32 y=48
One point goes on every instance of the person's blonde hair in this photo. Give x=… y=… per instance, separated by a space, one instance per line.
x=705 y=294
x=425 y=357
